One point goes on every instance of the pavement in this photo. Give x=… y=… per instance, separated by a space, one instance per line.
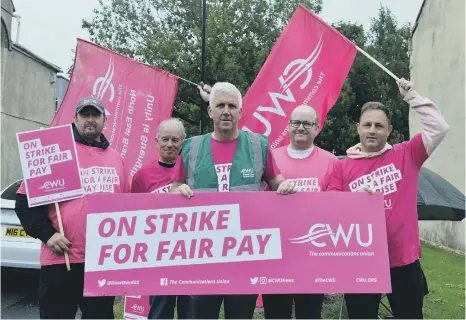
x=19 y=293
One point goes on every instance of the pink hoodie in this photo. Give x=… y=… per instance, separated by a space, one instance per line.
x=101 y=171
x=394 y=170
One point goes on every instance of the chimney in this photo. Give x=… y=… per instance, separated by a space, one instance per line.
x=8 y=10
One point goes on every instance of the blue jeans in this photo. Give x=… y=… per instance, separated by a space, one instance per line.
x=163 y=307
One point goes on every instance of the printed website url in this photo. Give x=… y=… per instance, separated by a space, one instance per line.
x=325 y=280
x=121 y=283
x=342 y=254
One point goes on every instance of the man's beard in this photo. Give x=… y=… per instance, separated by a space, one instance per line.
x=93 y=135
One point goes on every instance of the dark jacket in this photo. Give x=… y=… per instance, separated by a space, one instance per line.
x=36 y=221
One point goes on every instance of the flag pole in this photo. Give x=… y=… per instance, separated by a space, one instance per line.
x=60 y=226
x=377 y=63
x=203 y=62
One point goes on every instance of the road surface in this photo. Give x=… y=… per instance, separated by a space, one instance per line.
x=19 y=294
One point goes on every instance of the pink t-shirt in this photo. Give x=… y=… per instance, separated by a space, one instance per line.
x=101 y=171
x=153 y=178
x=396 y=174
x=310 y=174
x=223 y=153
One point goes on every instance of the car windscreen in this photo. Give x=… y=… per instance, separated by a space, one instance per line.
x=10 y=192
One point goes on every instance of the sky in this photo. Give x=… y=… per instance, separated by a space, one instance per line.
x=49 y=28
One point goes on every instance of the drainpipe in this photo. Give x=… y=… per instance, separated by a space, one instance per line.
x=18 y=19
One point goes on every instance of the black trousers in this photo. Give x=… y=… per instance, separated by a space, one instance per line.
x=279 y=306
x=235 y=306
x=163 y=307
x=61 y=292
x=406 y=300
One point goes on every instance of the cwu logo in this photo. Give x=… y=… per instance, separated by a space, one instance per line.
x=320 y=233
x=304 y=67
x=137 y=308
x=102 y=84
x=53 y=185
x=248 y=173
x=296 y=69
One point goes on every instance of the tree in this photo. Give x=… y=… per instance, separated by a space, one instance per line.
x=388 y=43
x=240 y=35
x=70 y=68
x=167 y=34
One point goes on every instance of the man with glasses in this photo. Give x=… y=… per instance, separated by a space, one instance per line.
x=308 y=167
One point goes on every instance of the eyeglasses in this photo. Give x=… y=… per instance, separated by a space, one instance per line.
x=306 y=125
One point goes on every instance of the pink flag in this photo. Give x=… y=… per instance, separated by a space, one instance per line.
x=307 y=65
x=137 y=98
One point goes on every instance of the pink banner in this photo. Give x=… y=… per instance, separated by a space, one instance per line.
x=307 y=65
x=236 y=243
x=137 y=97
x=50 y=165
x=136 y=307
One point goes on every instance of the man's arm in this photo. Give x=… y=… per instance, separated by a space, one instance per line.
x=184 y=189
x=275 y=179
x=135 y=184
x=175 y=186
x=275 y=182
x=434 y=126
x=179 y=178
x=35 y=221
x=37 y=224
x=335 y=181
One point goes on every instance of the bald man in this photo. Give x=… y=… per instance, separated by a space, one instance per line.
x=308 y=167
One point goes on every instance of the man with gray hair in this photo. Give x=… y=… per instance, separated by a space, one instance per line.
x=308 y=167
x=155 y=177
x=214 y=162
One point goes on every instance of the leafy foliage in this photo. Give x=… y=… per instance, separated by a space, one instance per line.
x=240 y=35
x=388 y=44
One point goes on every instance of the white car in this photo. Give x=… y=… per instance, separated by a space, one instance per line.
x=18 y=250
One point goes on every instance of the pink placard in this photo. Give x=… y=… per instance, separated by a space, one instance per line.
x=50 y=165
x=136 y=307
x=236 y=243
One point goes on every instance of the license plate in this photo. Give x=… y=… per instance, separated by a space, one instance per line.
x=16 y=232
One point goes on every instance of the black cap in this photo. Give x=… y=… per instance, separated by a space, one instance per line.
x=90 y=101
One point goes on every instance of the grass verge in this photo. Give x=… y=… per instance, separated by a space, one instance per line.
x=444 y=271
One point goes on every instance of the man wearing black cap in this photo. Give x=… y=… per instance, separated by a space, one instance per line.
x=61 y=291
x=90 y=120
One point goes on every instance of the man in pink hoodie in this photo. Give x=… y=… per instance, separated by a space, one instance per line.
x=375 y=166
x=61 y=291
x=156 y=177
x=308 y=167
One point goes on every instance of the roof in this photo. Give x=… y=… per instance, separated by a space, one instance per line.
x=12 y=6
x=62 y=76
x=32 y=55
x=417 y=18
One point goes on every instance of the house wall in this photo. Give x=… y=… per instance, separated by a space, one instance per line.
x=437 y=70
